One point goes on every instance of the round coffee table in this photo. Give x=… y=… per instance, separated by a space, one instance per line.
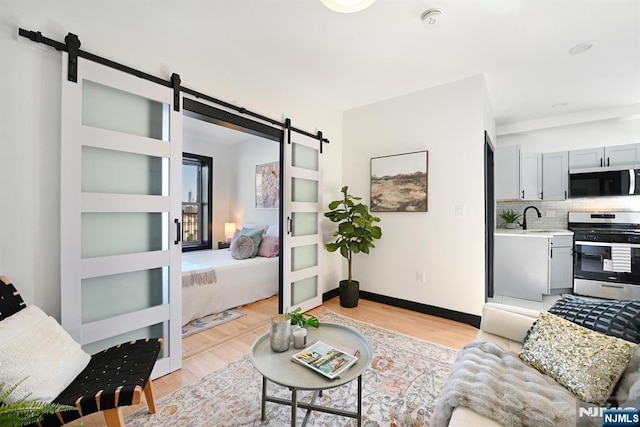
x=280 y=369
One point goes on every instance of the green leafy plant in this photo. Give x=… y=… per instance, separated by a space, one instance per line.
x=509 y=216
x=356 y=230
x=24 y=412
x=302 y=319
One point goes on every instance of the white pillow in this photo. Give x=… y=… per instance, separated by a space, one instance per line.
x=34 y=345
x=273 y=230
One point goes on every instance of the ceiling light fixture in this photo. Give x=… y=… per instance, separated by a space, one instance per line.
x=347 y=6
x=581 y=48
x=431 y=16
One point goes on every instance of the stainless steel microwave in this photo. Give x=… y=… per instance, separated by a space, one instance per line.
x=605 y=181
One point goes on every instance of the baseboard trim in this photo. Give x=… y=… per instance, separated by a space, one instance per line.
x=469 y=319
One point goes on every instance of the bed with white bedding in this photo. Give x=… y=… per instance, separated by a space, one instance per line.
x=213 y=281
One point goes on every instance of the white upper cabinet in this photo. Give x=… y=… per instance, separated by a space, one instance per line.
x=617 y=155
x=531 y=176
x=555 y=175
x=507 y=172
x=622 y=155
x=587 y=158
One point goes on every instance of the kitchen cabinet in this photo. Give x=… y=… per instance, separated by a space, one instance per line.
x=555 y=175
x=560 y=263
x=531 y=176
x=616 y=155
x=531 y=263
x=622 y=155
x=587 y=158
x=507 y=172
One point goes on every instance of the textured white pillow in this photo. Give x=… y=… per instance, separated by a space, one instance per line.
x=34 y=346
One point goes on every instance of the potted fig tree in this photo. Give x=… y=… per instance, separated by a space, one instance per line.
x=355 y=234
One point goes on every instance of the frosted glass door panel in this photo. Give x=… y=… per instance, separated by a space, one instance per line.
x=304 y=257
x=117 y=294
x=105 y=234
x=305 y=157
x=304 y=190
x=304 y=290
x=117 y=172
x=153 y=331
x=108 y=108
x=304 y=223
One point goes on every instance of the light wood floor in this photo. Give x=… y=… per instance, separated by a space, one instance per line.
x=212 y=349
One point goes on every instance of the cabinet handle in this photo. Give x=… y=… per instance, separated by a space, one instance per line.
x=565 y=194
x=522 y=194
x=608 y=162
x=541 y=195
x=600 y=161
x=551 y=252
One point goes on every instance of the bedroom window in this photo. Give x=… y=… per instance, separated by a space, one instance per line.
x=196 y=202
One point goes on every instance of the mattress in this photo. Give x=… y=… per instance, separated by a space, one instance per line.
x=213 y=281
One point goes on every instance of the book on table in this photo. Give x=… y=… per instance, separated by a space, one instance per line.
x=325 y=359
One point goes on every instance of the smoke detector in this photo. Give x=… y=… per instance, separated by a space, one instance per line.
x=431 y=17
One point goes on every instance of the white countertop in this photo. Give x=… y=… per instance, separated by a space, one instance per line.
x=532 y=232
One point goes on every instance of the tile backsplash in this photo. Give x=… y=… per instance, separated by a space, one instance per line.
x=555 y=214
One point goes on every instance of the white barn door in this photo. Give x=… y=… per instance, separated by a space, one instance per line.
x=120 y=211
x=303 y=214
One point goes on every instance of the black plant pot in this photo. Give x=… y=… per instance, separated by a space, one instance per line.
x=349 y=293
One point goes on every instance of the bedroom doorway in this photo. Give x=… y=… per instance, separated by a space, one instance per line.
x=294 y=209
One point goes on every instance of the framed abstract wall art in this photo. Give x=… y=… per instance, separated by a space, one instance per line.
x=268 y=185
x=399 y=183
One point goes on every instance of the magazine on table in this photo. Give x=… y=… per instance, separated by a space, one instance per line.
x=325 y=359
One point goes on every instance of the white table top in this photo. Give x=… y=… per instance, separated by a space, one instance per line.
x=280 y=369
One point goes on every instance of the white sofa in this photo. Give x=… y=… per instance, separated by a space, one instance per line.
x=506 y=326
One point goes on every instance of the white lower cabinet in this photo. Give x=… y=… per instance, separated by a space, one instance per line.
x=528 y=265
x=560 y=263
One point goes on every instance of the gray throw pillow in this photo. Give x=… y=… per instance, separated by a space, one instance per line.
x=241 y=247
x=246 y=244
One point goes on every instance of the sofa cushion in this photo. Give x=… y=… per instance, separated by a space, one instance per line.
x=586 y=362
x=48 y=357
x=617 y=318
x=507 y=321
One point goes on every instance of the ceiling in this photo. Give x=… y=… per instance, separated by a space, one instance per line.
x=350 y=60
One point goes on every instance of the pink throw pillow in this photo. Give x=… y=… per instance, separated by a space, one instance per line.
x=269 y=247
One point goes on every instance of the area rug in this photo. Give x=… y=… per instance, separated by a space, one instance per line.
x=399 y=389
x=206 y=322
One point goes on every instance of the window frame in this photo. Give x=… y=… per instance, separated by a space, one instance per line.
x=205 y=162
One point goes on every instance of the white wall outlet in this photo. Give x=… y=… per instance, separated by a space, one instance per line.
x=550 y=214
x=421 y=277
x=459 y=210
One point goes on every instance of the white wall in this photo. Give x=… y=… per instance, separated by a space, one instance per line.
x=448 y=121
x=30 y=146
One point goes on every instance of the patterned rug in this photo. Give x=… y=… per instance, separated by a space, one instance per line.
x=206 y=322
x=399 y=389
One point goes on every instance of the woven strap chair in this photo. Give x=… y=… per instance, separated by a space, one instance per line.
x=113 y=378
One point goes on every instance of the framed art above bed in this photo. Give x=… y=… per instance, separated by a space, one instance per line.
x=268 y=185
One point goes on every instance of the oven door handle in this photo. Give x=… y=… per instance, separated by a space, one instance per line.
x=608 y=244
x=632 y=181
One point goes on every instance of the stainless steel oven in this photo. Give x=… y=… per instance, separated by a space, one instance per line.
x=606 y=254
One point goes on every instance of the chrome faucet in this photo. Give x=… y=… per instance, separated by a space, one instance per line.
x=524 y=216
